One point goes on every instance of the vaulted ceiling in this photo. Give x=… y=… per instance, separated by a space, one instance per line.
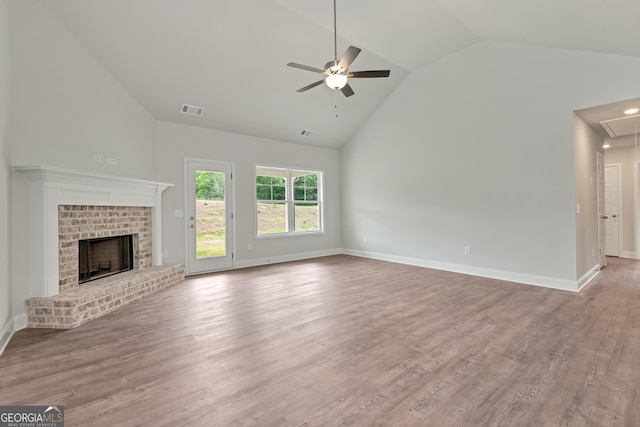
x=230 y=56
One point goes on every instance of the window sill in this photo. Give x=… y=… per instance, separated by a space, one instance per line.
x=298 y=234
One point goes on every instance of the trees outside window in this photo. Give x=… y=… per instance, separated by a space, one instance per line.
x=288 y=201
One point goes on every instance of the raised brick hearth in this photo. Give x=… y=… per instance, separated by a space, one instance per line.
x=75 y=307
x=64 y=206
x=78 y=303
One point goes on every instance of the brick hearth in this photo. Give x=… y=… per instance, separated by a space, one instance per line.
x=77 y=303
x=75 y=307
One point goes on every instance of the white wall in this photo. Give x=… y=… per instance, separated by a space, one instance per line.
x=175 y=142
x=6 y=324
x=587 y=143
x=66 y=107
x=477 y=149
x=626 y=157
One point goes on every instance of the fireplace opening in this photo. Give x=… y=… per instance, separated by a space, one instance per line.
x=103 y=257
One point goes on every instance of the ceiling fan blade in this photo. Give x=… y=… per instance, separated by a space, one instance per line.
x=305 y=67
x=369 y=74
x=347 y=91
x=349 y=55
x=312 y=85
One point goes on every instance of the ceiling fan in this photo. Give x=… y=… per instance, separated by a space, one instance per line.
x=337 y=71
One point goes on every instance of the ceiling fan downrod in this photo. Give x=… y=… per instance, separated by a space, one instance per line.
x=335 y=35
x=336 y=71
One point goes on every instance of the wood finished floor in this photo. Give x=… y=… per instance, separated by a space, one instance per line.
x=345 y=341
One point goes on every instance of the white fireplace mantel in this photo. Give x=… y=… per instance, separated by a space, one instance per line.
x=48 y=187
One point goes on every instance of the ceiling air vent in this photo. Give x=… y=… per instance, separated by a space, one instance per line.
x=306 y=133
x=192 y=110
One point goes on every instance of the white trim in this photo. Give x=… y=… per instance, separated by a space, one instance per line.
x=48 y=187
x=602 y=257
x=290 y=203
x=187 y=207
x=5 y=335
x=588 y=276
x=618 y=167
x=628 y=254
x=286 y=258
x=14 y=324
x=527 y=279
x=21 y=321
x=636 y=204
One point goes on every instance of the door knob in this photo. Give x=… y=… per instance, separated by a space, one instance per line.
x=614 y=216
x=192 y=218
x=192 y=226
x=605 y=217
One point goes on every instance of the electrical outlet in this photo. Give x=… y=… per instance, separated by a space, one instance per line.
x=250 y=246
x=165 y=254
x=365 y=239
x=111 y=161
x=467 y=250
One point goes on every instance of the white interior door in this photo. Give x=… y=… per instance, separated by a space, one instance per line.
x=602 y=259
x=611 y=209
x=209 y=219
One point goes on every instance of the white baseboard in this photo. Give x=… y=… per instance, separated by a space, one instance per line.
x=527 y=279
x=588 y=277
x=21 y=321
x=628 y=254
x=14 y=324
x=286 y=258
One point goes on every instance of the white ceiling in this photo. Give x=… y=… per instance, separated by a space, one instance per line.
x=230 y=56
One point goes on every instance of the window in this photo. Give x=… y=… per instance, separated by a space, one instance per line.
x=288 y=201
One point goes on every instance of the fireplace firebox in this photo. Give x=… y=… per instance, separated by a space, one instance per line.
x=103 y=257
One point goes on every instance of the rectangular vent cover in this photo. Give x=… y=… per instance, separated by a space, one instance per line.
x=192 y=110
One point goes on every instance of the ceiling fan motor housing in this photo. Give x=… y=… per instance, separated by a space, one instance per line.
x=332 y=67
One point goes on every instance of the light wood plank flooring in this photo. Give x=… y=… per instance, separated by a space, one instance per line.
x=345 y=341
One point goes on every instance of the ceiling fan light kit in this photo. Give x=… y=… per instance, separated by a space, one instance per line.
x=336 y=81
x=337 y=71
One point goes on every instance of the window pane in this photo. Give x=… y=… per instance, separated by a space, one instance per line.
x=312 y=194
x=263 y=180
x=311 y=181
x=271 y=188
x=272 y=218
x=298 y=193
x=210 y=214
x=307 y=217
x=279 y=193
x=263 y=192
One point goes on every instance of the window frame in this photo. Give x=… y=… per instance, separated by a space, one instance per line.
x=289 y=201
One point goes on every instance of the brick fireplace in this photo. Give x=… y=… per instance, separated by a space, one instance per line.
x=66 y=206
x=77 y=223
